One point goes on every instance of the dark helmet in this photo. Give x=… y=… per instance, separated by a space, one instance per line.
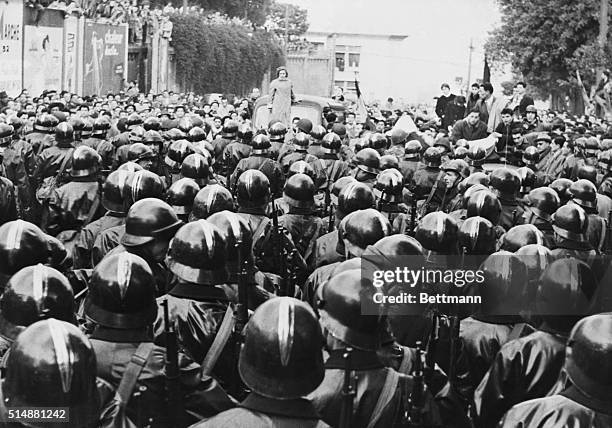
x=587 y=172
x=143 y=184
x=339 y=129
x=388 y=162
x=528 y=178
x=185 y=124
x=235 y=229
x=389 y=185
x=589 y=355
x=561 y=186
x=604 y=161
x=412 y=149
x=211 y=199
x=77 y=124
x=398 y=136
x=592 y=146
x=21 y=244
x=331 y=143
x=484 y=204
x=505 y=284
x=432 y=157
x=260 y=144
x=505 y=181
x=368 y=160
x=477 y=236
x=377 y=141
x=457 y=166
x=151 y=124
x=32 y=294
x=475 y=178
x=177 y=152
x=566 y=292
x=181 y=194
x=444 y=143
x=64 y=132
x=437 y=231
x=196 y=134
x=304 y=125
x=536 y=258
x=301 y=142
x=140 y=151
x=6 y=133
x=245 y=134
x=543 y=202
x=364 y=227
x=521 y=235
x=112 y=191
x=85 y=162
x=531 y=156
x=460 y=153
x=46 y=123
x=282 y=355
x=137 y=134
x=570 y=222
x=197 y=254
x=53 y=365
x=148 y=219
x=299 y=191
x=252 y=189
x=318 y=132
x=302 y=167
x=175 y=134
x=277 y=131
x=130 y=167
x=340 y=184
x=584 y=193
x=122 y=292
x=395 y=245
x=133 y=120
x=476 y=156
x=195 y=166
x=354 y=196
x=101 y=126
x=340 y=311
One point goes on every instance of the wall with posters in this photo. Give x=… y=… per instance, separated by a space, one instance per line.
x=11 y=32
x=69 y=78
x=104 y=58
x=43 y=49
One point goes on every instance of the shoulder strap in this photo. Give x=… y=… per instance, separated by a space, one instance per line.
x=602 y=235
x=334 y=171
x=260 y=230
x=406 y=363
x=221 y=338
x=65 y=162
x=132 y=372
x=386 y=393
x=516 y=331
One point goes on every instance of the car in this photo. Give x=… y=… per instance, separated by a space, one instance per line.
x=308 y=106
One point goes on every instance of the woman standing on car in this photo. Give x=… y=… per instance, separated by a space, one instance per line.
x=281 y=97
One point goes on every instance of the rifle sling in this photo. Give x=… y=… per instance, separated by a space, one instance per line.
x=386 y=394
x=132 y=372
x=221 y=338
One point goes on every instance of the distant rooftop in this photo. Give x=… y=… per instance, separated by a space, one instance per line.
x=397 y=37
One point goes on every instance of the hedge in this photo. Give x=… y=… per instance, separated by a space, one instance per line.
x=226 y=58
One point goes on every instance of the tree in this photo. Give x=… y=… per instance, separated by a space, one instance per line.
x=256 y=11
x=547 y=42
x=287 y=19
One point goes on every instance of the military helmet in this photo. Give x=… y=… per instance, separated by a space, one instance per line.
x=396 y=245
x=245 y=133
x=301 y=142
x=364 y=227
x=197 y=254
x=260 y=144
x=32 y=294
x=589 y=354
x=185 y=124
x=46 y=123
x=398 y=136
x=142 y=184
x=229 y=129
x=181 y=194
x=101 y=126
x=543 y=202
x=477 y=236
x=536 y=258
x=277 y=131
x=252 y=189
x=484 y=204
x=177 y=152
x=129 y=166
x=377 y=141
x=528 y=178
x=475 y=178
x=282 y=354
x=195 y=166
x=388 y=162
x=460 y=153
x=133 y=119
x=531 y=156
x=77 y=124
x=175 y=134
x=341 y=316
x=318 y=132
x=140 y=151
x=331 y=143
x=389 y=186
x=112 y=191
x=570 y=222
x=605 y=160
x=6 y=133
x=236 y=231
x=505 y=285
x=432 y=157
x=21 y=244
x=147 y=219
x=64 y=132
x=122 y=292
x=152 y=123
x=302 y=167
x=88 y=127
x=211 y=199
x=196 y=134
x=368 y=160
x=476 y=156
x=584 y=193
x=561 y=186
x=412 y=149
x=137 y=134
x=587 y=172
x=506 y=181
x=437 y=231
x=354 y=196
x=521 y=235
x=299 y=191
x=53 y=365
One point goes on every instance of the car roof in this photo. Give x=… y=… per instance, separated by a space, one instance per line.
x=309 y=99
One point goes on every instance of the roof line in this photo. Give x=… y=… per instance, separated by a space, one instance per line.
x=341 y=33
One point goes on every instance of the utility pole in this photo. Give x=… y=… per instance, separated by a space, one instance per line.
x=286 y=27
x=469 y=74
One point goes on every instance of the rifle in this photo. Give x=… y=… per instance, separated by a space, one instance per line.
x=413 y=213
x=173 y=388
x=332 y=219
x=348 y=391
x=278 y=246
x=241 y=316
x=454 y=338
x=291 y=279
x=432 y=344
x=414 y=412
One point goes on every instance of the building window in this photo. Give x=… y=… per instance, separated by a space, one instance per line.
x=353 y=61
x=340 y=61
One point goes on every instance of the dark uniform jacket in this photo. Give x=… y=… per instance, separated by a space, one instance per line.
x=233 y=153
x=512 y=213
x=49 y=162
x=326 y=250
x=87 y=237
x=73 y=204
x=305 y=229
x=269 y=167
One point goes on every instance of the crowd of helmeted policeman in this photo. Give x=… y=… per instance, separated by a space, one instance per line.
x=156 y=274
